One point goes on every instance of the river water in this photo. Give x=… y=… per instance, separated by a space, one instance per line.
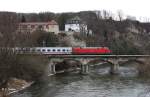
x=98 y=83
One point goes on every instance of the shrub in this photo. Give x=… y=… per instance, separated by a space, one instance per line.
x=27 y=67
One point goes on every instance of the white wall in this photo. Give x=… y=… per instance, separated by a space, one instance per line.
x=52 y=28
x=75 y=27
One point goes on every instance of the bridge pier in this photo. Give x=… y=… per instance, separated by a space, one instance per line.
x=84 y=66
x=114 y=68
x=51 y=68
x=84 y=69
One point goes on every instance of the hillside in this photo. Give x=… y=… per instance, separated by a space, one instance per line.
x=123 y=37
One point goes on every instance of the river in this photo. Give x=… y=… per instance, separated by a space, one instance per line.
x=98 y=83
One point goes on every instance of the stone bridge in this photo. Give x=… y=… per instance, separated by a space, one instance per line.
x=84 y=61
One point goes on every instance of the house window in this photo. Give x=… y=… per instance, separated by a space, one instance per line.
x=40 y=27
x=73 y=21
x=47 y=26
x=33 y=50
x=38 y=50
x=43 y=50
x=32 y=26
x=70 y=29
x=77 y=22
x=24 y=26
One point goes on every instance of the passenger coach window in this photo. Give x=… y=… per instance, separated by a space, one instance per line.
x=54 y=50
x=43 y=50
x=38 y=50
x=58 y=50
x=33 y=50
x=48 y=50
x=64 y=50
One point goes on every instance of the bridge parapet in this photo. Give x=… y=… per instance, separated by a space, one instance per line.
x=98 y=56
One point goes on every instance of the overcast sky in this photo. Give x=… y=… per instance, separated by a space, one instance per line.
x=138 y=8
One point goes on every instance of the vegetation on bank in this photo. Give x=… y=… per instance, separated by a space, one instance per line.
x=144 y=70
x=29 y=68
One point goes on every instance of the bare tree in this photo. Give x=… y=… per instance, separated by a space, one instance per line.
x=8 y=26
x=107 y=14
x=98 y=14
x=120 y=15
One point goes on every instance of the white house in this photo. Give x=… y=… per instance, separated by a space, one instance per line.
x=76 y=25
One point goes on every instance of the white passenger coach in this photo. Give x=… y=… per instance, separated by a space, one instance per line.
x=54 y=50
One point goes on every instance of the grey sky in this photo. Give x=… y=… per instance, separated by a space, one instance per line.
x=138 y=8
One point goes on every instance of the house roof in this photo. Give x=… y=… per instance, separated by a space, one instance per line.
x=75 y=20
x=52 y=22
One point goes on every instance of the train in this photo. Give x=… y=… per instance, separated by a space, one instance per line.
x=64 y=50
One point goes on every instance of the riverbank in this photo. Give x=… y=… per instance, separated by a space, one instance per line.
x=14 y=85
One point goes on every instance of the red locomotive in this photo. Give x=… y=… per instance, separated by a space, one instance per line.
x=91 y=50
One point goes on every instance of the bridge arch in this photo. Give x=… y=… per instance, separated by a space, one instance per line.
x=96 y=61
x=139 y=62
x=113 y=64
x=67 y=64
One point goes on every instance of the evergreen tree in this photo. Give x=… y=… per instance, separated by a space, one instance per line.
x=62 y=20
x=23 y=19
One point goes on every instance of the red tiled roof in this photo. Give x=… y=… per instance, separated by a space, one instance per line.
x=52 y=22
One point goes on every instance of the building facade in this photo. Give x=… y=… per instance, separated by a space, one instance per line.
x=76 y=25
x=30 y=27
